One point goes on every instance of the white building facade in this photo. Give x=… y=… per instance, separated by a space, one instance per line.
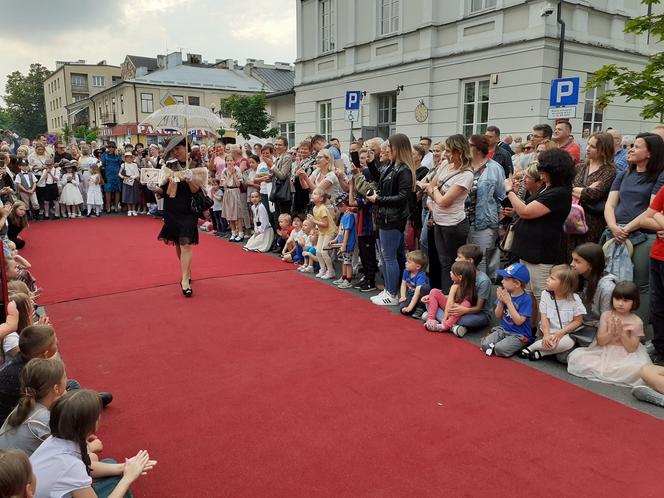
x=435 y=68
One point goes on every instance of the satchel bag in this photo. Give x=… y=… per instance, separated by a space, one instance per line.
x=281 y=191
x=200 y=203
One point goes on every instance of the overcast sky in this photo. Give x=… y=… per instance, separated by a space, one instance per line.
x=46 y=31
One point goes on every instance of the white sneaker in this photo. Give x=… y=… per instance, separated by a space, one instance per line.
x=459 y=330
x=339 y=281
x=320 y=274
x=380 y=296
x=128 y=213
x=328 y=276
x=345 y=285
x=308 y=269
x=425 y=316
x=387 y=300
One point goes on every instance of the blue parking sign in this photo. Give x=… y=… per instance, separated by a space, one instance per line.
x=564 y=92
x=352 y=101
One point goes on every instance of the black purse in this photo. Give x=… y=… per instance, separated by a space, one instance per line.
x=200 y=203
x=281 y=191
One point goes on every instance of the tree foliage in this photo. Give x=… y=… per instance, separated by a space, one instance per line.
x=25 y=100
x=249 y=115
x=81 y=132
x=646 y=85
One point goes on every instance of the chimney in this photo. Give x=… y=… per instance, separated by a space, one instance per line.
x=173 y=59
x=283 y=65
x=141 y=71
x=230 y=64
x=161 y=61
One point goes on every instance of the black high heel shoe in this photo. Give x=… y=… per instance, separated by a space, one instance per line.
x=186 y=292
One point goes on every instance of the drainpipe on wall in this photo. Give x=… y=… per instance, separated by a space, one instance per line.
x=561 y=47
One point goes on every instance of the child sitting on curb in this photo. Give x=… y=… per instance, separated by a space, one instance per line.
x=514 y=308
x=283 y=232
x=414 y=284
x=307 y=245
x=289 y=253
x=479 y=315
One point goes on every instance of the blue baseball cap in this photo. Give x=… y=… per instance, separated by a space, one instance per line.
x=516 y=271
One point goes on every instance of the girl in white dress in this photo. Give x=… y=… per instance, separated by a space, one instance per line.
x=617 y=355
x=95 y=198
x=263 y=235
x=71 y=196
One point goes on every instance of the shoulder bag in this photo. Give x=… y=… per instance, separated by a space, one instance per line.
x=200 y=203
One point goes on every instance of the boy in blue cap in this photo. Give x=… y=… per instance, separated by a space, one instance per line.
x=514 y=308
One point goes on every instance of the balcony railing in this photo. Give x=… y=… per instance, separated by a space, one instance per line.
x=108 y=119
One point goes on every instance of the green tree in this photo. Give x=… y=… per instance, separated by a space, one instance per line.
x=25 y=100
x=249 y=115
x=647 y=84
x=5 y=119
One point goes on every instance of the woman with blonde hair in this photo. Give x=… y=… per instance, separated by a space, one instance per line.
x=447 y=192
x=395 y=189
x=323 y=176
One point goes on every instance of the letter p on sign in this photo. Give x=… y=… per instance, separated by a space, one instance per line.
x=564 y=92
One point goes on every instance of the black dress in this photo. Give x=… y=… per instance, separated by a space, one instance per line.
x=180 y=224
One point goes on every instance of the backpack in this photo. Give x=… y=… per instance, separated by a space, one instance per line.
x=575 y=224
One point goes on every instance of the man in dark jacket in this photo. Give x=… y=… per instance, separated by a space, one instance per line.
x=497 y=153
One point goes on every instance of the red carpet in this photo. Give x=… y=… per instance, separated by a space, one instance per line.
x=274 y=384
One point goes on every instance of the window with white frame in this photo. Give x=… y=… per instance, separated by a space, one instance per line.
x=325 y=119
x=593 y=114
x=179 y=99
x=388 y=16
x=79 y=80
x=97 y=81
x=475 y=106
x=387 y=114
x=288 y=131
x=481 y=5
x=327 y=25
x=147 y=104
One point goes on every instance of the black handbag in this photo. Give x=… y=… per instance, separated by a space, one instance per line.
x=200 y=202
x=281 y=191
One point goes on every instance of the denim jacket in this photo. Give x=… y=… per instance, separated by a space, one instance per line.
x=490 y=192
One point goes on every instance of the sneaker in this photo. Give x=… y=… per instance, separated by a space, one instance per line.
x=345 y=285
x=459 y=330
x=339 y=281
x=649 y=395
x=425 y=316
x=387 y=300
x=320 y=274
x=328 y=276
x=79 y=215
x=361 y=283
x=308 y=269
x=367 y=287
x=380 y=296
x=489 y=350
x=128 y=213
x=434 y=326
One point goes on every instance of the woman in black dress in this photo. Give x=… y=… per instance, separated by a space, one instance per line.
x=180 y=224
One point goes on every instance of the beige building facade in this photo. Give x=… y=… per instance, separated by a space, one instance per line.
x=434 y=68
x=72 y=82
